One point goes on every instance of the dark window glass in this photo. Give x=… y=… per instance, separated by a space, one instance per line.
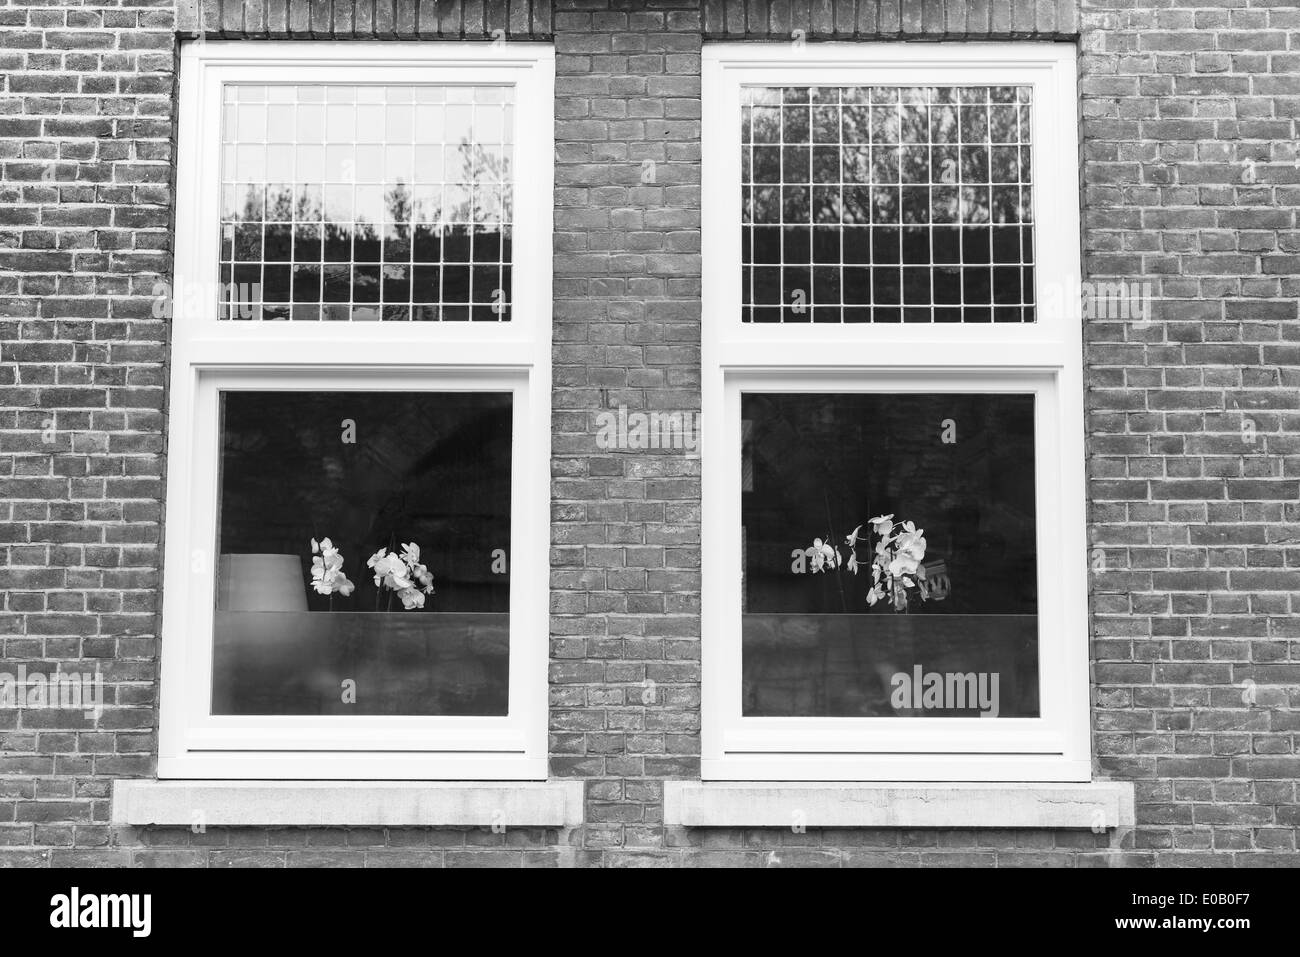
x=954 y=593
x=371 y=472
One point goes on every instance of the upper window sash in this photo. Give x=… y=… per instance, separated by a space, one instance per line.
x=1043 y=74
x=444 y=82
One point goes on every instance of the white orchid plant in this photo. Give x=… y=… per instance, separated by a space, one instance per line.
x=401 y=573
x=327 y=576
x=897 y=572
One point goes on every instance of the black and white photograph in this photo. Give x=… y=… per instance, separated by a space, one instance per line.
x=669 y=434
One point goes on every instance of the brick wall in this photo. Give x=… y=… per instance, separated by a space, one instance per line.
x=889 y=19
x=1190 y=171
x=1189 y=166
x=86 y=116
x=625 y=584
x=366 y=19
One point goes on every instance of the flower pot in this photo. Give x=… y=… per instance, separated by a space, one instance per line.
x=260 y=582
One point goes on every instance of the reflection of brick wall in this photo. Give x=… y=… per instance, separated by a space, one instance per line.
x=1188 y=142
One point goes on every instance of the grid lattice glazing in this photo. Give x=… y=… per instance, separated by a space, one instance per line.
x=355 y=202
x=887 y=204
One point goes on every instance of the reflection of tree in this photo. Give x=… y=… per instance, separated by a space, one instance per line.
x=488 y=173
x=438 y=224
x=873 y=141
x=398 y=201
x=484 y=172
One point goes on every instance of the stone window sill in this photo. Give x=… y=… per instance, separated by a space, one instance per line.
x=347 y=803
x=1096 y=805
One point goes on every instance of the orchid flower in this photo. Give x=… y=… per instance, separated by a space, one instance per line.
x=327 y=576
x=403 y=574
x=896 y=569
x=411 y=556
x=824 y=556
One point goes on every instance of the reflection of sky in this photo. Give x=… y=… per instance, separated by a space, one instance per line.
x=372 y=137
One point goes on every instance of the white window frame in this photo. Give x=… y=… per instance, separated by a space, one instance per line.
x=1043 y=358
x=208 y=355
